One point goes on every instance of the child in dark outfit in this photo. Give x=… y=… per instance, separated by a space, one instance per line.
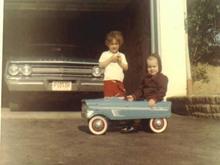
x=153 y=86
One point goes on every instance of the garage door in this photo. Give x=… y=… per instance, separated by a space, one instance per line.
x=84 y=22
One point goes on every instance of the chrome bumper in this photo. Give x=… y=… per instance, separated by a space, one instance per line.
x=21 y=85
x=84 y=111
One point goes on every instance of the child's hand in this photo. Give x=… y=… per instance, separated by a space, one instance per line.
x=119 y=59
x=114 y=58
x=130 y=98
x=151 y=102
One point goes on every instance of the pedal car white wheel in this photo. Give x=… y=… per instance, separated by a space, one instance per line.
x=158 y=125
x=98 y=125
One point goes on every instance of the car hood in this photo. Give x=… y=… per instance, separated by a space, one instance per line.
x=53 y=52
x=53 y=59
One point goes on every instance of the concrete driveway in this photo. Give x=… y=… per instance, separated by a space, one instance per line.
x=63 y=138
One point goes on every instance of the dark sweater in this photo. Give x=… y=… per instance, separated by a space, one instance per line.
x=152 y=87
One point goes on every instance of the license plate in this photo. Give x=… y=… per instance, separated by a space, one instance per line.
x=61 y=86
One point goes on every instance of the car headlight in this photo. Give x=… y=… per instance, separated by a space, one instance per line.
x=26 y=70
x=13 y=69
x=89 y=113
x=96 y=71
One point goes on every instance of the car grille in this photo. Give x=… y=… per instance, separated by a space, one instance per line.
x=62 y=70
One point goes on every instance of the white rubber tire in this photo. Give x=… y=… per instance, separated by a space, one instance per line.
x=158 y=125
x=98 y=125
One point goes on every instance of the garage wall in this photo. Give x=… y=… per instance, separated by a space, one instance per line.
x=1 y=52
x=173 y=45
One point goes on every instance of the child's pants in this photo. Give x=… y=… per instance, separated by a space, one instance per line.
x=114 y=88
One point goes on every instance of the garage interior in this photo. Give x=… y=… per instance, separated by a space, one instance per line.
x=82 y=22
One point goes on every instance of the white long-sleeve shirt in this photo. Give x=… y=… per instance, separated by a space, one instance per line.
x=113 y=71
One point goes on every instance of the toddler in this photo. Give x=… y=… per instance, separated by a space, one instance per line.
x=153 y=87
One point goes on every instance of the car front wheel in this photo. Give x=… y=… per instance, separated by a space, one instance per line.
x=158 y=125
x=98 y=125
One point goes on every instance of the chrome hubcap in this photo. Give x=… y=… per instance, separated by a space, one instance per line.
x=158 y=123
x=98 y=125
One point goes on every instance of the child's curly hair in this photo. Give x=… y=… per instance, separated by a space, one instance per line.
x=114 y=35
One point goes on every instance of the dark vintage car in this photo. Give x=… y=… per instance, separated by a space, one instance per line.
x=53 y=68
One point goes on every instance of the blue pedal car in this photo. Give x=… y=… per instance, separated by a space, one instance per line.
x=99 y=112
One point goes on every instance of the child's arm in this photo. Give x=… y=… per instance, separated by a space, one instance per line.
x=151 y=102
x=161 y=92
x=163 y=82
x=106 y=62
x=130 y=98
x=138 y=92
x=124 y=66
x=122 y=62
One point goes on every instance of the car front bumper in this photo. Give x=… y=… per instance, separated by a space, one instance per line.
x=42 y=85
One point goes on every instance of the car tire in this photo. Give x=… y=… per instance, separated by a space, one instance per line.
x=158 y=125
x=98 y=125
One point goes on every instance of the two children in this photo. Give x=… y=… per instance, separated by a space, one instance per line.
x=153 y=87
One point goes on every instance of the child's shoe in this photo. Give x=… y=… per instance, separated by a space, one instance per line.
x=128 y=129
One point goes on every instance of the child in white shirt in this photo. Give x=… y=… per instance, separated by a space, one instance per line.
x=114 y=64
